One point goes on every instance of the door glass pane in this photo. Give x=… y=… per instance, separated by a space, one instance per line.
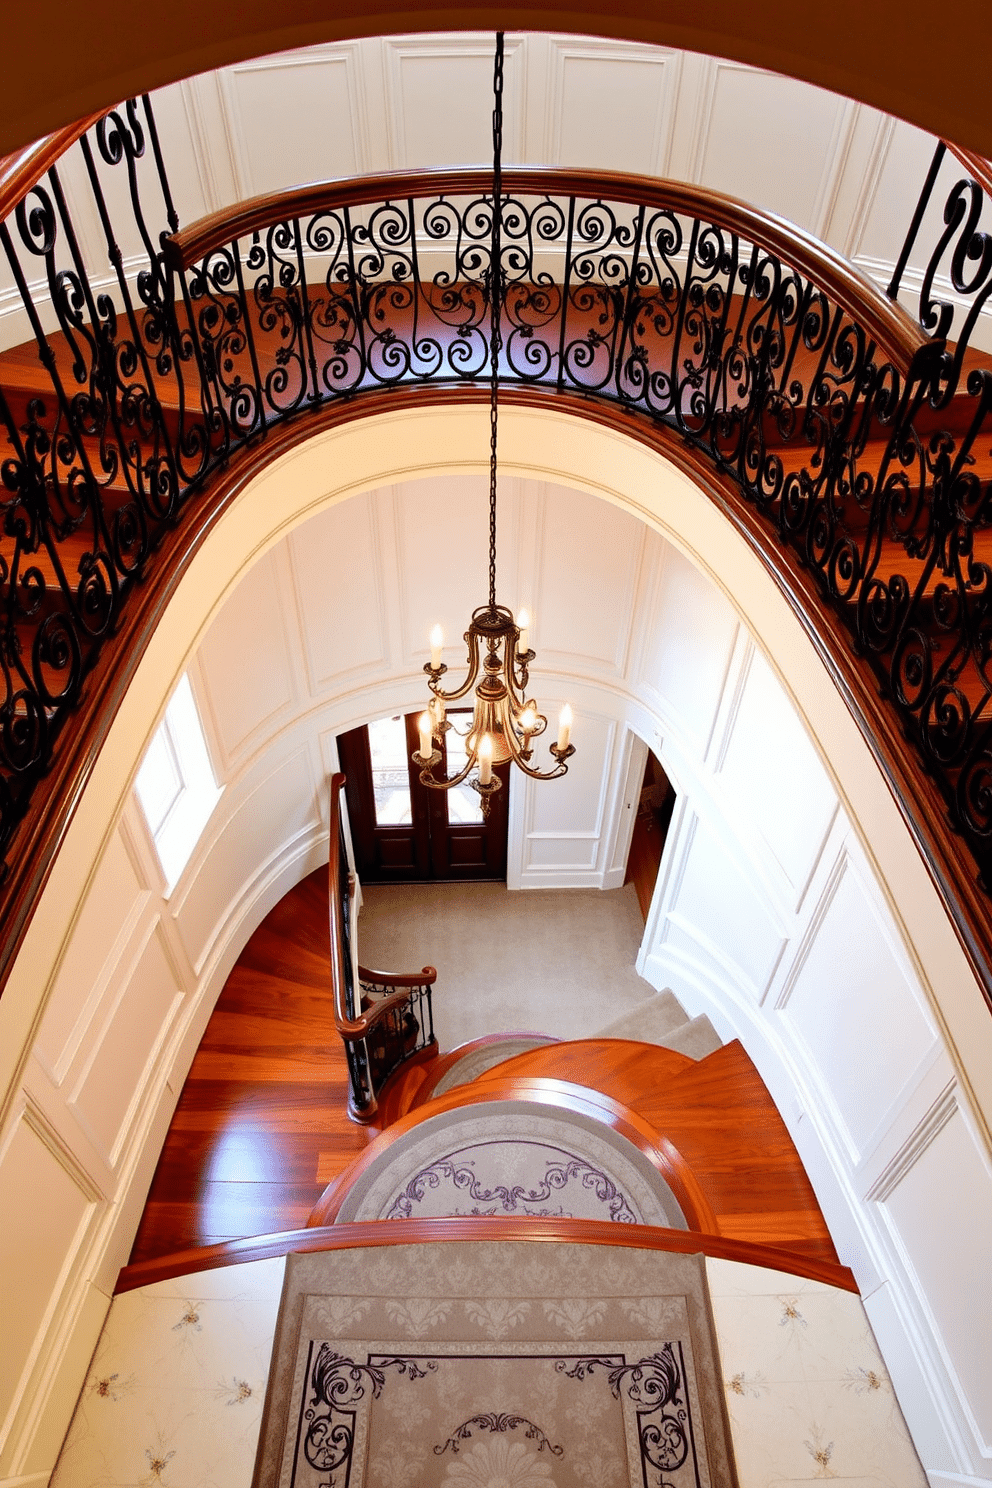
x=464 y=804
x=390 y=776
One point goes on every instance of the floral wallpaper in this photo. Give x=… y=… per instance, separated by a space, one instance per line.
x=175 y=1390
x=808 y=1395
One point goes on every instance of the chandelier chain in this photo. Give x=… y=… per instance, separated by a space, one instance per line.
x=495 y=295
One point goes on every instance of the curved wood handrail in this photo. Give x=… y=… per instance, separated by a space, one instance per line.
x=24 y=169
x=916 y=794
x=349 y=1028
x=385 y=1232
x=886 y=322
x=564 y=1094
x=353 y=1029
x=976 y=165
x=425 y=978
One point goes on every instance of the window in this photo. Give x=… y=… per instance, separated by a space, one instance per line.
x=176 y=786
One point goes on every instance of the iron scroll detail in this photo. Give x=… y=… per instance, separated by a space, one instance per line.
x=869 y=464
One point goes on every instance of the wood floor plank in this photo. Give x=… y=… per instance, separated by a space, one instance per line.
x=265 y=1103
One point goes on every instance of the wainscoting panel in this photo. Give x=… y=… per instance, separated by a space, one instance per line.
x=563 y=822
x=940 y=1211
x=320 y=137
x=343 y=623
x=586 y=131
x=46 y=1204
x=245 y=661
x=109 y=914
x=718 y=906
x=589 y=559
x=846 y=1011
x=136 y=1023
x=688 y=641
x=751 y=120
x=420 y=71
x=773 y=774
x=442 y=540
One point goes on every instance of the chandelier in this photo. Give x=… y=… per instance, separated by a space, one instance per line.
x=505 y=721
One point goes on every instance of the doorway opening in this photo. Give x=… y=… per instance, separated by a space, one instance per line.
x=654 y=814
x=403 y=832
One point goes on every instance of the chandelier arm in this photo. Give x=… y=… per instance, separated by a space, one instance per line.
x=517 y=756
x=540 y=720
x=448 y=783
x=452 y=697
x=517 y=663
x=560 y=769
x=472 y=639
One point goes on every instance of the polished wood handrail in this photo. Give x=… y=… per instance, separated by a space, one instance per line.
x=424 y=978
x=23 y=169
x=886 y=322
x=916 y=794
x=353 y=1029
x=387 y=1232
x=564 y=1095
x=976 y=165
x=349 y=1028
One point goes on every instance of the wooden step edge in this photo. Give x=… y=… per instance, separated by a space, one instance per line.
x=519 y=1065
x=399 y=1091
x=659 y=1149
x=446 y=1062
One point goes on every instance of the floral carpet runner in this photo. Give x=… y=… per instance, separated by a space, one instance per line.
x=494 y=1365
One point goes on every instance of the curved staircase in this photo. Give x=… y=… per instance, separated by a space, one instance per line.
x=707 y=1127
x=455 y=1299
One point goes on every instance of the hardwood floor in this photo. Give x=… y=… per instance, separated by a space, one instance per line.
x=261 y=1126
x=261 y=1123
x=724 y=1123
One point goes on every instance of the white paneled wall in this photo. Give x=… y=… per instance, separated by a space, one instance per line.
x=837 y=168
x=767 y=915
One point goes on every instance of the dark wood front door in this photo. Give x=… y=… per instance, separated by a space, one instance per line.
x=401 y=830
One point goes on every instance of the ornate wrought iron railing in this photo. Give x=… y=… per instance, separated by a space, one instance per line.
x=859 y=446
x=383 y=1017
x=961 y=258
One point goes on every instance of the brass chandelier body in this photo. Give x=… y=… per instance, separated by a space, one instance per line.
x=505 y=721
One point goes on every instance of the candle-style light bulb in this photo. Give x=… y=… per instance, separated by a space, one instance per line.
x=485 y=760
x=523 y=625
x=528 y=721
x=437 y=644
x=426 y=730
x=565 y=721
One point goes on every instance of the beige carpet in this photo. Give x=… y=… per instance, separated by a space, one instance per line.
x=553 y=961
x=472 y=1365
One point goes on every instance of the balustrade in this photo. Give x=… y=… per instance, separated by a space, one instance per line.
x=859 y=441
x=383 y=1017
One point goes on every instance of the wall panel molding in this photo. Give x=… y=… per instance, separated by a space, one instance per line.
x=915 y=1144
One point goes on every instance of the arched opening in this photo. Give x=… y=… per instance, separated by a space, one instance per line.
x=710 y=896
